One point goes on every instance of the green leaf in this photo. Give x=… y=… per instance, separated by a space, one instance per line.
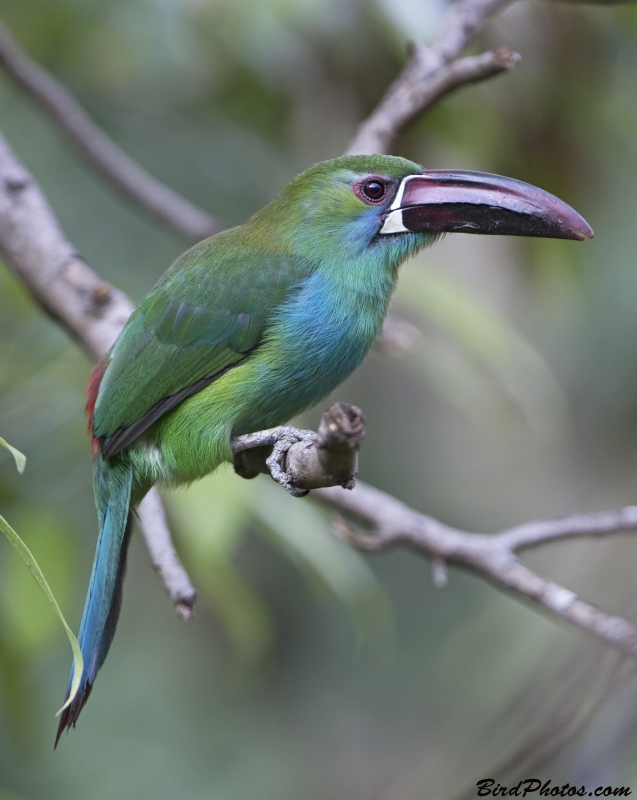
x=34 y=569
x=20 y=458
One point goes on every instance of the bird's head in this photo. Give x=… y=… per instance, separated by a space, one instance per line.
x=352 y=204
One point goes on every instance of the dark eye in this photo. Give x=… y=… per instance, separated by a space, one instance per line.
x=374 y=190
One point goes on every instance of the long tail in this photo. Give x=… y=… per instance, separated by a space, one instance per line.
x=112 y=483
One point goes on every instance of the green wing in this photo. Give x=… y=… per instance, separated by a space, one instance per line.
x=207 y=314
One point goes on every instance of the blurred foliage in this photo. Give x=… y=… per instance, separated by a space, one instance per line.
x=23 y=631
x=484 y=366
x=213 y=517
x=310 y=670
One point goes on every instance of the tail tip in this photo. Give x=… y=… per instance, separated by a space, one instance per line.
x=70 y=714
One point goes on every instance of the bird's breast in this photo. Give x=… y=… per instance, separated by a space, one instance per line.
x=315 y=340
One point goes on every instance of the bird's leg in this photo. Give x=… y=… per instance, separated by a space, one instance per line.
x=276 y=460
x=303 y=460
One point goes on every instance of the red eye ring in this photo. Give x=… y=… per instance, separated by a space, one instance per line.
x=374 y=190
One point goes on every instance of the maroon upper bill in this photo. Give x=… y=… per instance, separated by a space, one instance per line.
x=478 y=202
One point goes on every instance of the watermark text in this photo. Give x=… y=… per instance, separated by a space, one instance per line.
x=532 y=786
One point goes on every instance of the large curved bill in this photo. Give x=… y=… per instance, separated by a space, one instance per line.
x=478 y=202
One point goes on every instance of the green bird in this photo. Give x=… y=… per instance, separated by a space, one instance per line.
x=250 y=327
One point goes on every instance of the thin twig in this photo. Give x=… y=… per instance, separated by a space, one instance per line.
x=92 y=311
x=532 y=534
x=121 y=170
x=432 y=72
x=156 y=533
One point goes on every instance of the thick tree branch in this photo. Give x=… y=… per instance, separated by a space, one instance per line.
x=57 y=276
x=432 y=72
x=121 y=170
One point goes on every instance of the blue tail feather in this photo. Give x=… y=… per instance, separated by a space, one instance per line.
x=112 y=483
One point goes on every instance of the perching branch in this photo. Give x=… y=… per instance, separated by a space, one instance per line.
x=120 y=169
x=304 y=460
x=431 y=73
x=492 y=557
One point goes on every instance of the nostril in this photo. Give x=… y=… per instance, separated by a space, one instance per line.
x=15 y=185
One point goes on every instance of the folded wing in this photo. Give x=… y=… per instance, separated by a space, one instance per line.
x=208 y=314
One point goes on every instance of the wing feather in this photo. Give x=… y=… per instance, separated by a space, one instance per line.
x=206 y=315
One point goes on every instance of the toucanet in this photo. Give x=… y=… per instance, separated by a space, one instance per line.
x=250 y=327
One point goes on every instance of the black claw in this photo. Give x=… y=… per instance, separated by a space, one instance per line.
x=298 y=492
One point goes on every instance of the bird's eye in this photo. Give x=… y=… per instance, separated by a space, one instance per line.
x=374 y=190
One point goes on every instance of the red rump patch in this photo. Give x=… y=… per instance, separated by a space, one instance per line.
x=91 y=393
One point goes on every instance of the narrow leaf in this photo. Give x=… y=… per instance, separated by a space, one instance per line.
x=34 y=569
x=20 y=458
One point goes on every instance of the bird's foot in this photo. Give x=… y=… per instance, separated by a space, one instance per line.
x=276 y=461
